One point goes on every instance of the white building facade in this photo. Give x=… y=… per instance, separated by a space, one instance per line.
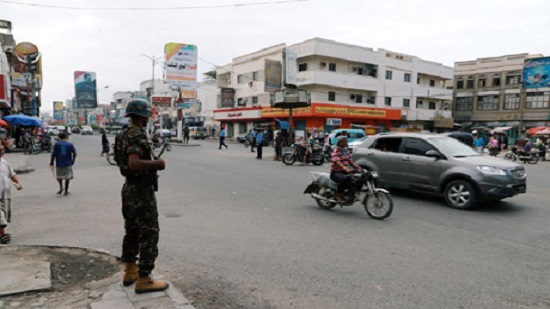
x=349 y=85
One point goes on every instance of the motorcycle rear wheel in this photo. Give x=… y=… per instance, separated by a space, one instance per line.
x=379 y=205
x=111 y=159
x=318 y=160
x=509 y=156
x=35 y=150
x=288 y=159
x=326 y=193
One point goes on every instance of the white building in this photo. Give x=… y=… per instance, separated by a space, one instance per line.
x=207 y=96
x=349 y=85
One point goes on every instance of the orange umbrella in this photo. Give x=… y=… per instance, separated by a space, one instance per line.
x=3 y=123
x=534 y=131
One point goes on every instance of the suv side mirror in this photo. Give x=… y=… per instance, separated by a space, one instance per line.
x=433 y=154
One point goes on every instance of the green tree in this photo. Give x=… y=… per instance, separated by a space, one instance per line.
x=210 y=75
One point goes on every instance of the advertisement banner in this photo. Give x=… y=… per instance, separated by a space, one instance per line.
x=227 y=97
x=536 y=73
x=18 y=80
x=291 y=67
x=273 y=75
x=5 y=91
x=85 y=86
x=181 y=65
x=161 y=100
x=58 y=110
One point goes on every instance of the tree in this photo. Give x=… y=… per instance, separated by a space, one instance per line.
x=210 y=75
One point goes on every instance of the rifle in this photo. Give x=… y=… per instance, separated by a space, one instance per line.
x=156 y=157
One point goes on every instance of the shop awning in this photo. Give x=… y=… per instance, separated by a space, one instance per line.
x=501 y=129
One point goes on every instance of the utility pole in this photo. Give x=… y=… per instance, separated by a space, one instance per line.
x=154 y=61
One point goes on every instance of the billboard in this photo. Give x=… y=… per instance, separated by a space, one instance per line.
x=161 y=100
x=536 y=72
x=85 y=89
x=273 y=75
x=181 y=65
x=58 y=110
x=227 y=97
x=291 y=67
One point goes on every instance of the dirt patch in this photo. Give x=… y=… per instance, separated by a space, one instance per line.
x=71 y=269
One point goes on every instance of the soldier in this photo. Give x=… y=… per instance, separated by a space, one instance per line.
x=139 y=206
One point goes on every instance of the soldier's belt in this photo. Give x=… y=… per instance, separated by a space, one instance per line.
x=141 y=181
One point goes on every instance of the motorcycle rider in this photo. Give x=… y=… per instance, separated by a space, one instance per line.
x=527 y=148
x=340 y=166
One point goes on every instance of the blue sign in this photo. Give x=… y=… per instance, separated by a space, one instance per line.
x=536 y=73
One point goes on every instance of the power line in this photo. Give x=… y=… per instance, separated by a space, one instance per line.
x=215 y=6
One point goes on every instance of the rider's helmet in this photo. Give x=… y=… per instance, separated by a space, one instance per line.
x=341 y=138
x=138 y=107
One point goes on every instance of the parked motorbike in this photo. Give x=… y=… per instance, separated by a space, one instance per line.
x=296 y=154
x=46 y=143
x=327 y=152
x=515 y=155
x=377 y=202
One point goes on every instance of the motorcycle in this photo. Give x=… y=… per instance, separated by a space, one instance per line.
x=327 y=152
x=159 y=143
x=515 y=155
x=296 y=154
x=46 y=143
x=377 y=202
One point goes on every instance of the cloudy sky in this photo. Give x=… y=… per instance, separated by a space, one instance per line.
x=110 y=42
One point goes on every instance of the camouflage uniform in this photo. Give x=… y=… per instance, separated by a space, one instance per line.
x=139 y=205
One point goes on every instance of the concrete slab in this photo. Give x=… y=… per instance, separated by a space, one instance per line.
x=20 y=276
x=119 y=303
x=139 y=297
x=161 y=303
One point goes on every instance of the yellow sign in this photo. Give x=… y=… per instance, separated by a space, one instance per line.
x=58 y=106
x=344 y=111
x=271 y=112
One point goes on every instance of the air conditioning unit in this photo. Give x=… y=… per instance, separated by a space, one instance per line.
x=323 y=64
x=352 y=96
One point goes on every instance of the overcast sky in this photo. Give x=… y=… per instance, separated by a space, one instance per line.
x=110 y=43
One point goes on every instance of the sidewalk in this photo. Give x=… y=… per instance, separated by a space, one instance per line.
x=19 y=162
x=61 y=277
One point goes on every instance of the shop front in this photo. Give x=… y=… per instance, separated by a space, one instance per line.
x=322 y=117
x=238 y=120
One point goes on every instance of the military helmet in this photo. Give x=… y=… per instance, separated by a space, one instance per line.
x=138 y=107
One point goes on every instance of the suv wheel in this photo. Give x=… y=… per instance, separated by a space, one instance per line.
x=460 y=194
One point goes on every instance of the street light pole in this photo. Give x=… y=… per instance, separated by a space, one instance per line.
x=154 y=61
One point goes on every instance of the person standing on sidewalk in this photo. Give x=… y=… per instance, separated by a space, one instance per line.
x=64 y=154
x=104 y=143
x=278 y=147
x=186 y=135
x=135 y=160
x=7 y=175
x=222 y=138
x=259 y=142
x=479 y=143
x=252 y=137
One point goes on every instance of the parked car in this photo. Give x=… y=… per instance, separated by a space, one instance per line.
x=441 y=165
x=464 y=137
x=198 y=132
x=86 y=130
x=55 y=130
x=353 y=134
x=356 y=143
x=75 y=129
x=243 y=137
x=164 y=132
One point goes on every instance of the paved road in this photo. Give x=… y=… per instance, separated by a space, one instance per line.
x=241 y=228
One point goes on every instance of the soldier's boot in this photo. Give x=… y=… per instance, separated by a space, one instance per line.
x=130 y=274
x=148 y=285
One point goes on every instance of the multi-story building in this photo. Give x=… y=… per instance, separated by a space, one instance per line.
x=207 y=95
x=348 y=85
x=490 y=92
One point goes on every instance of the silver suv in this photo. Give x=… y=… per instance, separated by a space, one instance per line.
x=442 y=165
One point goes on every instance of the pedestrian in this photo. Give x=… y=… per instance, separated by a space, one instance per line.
x=64 y=154
x=134 y=158
x=213 y=132
x=104 y=143
x=252 y=137
x=222 y=138
x=259 y=141
x=7 y=175
x=478 y=143
x=278 y=146
x=186 y=135
x=283 y=124
x=26 y=141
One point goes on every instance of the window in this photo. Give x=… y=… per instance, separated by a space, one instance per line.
x=371 y=100
x=513 y=78
x=332 y=67
x=432 y=83
x=418 y=104
x=488 y=102
x=255 y=75
x=240 y=79
x=254 y=100
x=387 y=101
x=537 y=100
x=389 y=74
x=496 y=80
x=418 y=80
x=431 y=105
x=460 y=83
x=332 y=96
x=470 y=83
x=387 y=144
x=511 y=101
x=406 y=102
x=358 y=98
x=415 y=146
x=407 y=77
x=464 y=104
x=302 y=67
x=240 y=102
x=481 y=81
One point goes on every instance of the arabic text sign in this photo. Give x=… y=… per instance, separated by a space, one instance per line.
x=162 y=100
x=85 y=89
x=181 y=65
x=536 y=73
x=346 y=111
x=280 y=112
x=58 y=110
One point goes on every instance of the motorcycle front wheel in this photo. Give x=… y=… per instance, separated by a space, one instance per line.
x=168 y=147
x=534 y=159
x=318 y=160
x=288 y=159
x=509 y=156
x=379 y=205
x=36 y=150
x=111 y=159
x=326 y=193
